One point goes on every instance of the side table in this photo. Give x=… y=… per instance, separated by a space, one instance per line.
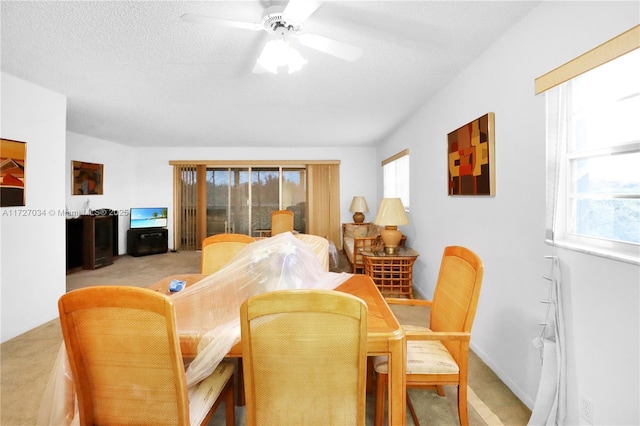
x=392 y=273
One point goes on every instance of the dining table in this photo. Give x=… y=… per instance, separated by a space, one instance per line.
x=385 y=336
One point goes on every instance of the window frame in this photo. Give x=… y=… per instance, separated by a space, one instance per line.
x=400 y=187
x=559 y=199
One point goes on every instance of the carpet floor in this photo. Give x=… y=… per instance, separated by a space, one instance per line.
x=27 y=360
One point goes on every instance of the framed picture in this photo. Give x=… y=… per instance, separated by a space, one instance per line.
x=87 y=178
x=13 y=163
x=471 y=156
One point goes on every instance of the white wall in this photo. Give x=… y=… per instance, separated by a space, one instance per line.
x=142 y=177
x=507 y=231
x=32 y=237
x=119 y=184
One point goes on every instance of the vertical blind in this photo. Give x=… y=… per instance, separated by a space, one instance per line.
x=185 y=197
x=323 y=199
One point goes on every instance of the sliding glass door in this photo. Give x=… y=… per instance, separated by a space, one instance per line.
x=265 y=196
x=215 y=197
x=294 y=196
x=227 y=201
x=233 y=204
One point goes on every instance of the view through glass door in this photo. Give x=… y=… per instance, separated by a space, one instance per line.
x=235 y=206
x=227 y=195
x=294 y=196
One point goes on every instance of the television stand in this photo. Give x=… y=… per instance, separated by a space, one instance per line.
x=145 y=241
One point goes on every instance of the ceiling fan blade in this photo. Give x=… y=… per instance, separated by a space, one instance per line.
x=299 y=10
x=201 y=19
x=336 y=48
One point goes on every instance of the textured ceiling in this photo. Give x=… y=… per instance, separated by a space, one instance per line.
x=136 y=74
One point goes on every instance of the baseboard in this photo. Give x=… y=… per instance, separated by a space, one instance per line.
x=517 y=391
x=418 y=292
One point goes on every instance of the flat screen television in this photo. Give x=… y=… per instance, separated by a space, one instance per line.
x=148 y=217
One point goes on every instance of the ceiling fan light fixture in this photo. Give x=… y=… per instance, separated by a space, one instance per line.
x=278 y=53
x=295 y=60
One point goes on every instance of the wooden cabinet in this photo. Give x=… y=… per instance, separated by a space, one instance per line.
x=97 y=241
x=142 y=242
x=74 y=243
x=92 y=241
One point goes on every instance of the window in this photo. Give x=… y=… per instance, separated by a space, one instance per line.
x=593 y=159
x=396 y=177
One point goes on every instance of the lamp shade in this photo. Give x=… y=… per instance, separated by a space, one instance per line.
x=391 y=213
x=359 y=204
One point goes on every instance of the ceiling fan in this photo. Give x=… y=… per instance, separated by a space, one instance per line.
x=286 y=22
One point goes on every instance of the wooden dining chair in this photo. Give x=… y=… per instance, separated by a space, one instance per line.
x=218 y=250
x=125 y=359
x=281 y=221
x=304 y=358
x=439 y=355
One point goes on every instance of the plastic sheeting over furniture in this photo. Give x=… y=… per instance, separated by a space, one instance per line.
x=208 y=311
x=220 y=249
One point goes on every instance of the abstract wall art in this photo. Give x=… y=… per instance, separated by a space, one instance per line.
x=87 y=178
x=13 y=162
x=471 y=156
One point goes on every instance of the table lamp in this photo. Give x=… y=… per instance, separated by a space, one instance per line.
x=391 y=214
x=358 y=205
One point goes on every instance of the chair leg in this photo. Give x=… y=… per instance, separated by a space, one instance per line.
x=413 y=411
x=229 y=405
x=440 y=390
x=381 y=387
x=239 y=384
x=462 y=406
x=226 y=396
x=370 y=375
